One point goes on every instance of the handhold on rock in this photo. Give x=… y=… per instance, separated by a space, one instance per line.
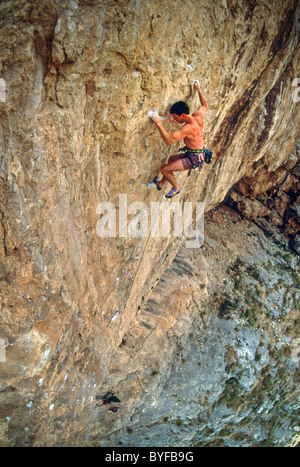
x=152 y=112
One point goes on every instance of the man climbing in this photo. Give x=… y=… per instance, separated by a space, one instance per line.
x=191 y=133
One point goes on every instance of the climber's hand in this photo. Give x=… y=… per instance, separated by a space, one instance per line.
x=155 y=117
x=197 y=84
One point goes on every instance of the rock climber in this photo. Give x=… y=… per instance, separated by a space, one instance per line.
x=109 y=398
x=191 y=133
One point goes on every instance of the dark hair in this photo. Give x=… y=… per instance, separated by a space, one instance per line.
x=179 y=108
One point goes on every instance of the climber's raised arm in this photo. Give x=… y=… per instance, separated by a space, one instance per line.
x=203 y=104
x=166 y=136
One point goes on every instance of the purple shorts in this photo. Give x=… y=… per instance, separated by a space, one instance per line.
x=194 y=157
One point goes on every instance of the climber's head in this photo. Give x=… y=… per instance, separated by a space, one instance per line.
x=179 y=110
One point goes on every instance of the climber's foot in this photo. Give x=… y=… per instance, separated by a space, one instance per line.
x=172 y=193
x=156 y=181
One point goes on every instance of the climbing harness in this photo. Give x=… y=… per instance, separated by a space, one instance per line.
x=207 y=157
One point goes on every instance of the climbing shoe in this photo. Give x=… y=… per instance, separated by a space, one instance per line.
x=172 y=193
x=155 y=180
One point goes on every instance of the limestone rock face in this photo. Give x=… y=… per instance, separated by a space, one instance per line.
x=272 y=200
x=80 y=77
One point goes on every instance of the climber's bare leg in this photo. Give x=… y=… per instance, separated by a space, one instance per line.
x=176 y=157
x=168 y=169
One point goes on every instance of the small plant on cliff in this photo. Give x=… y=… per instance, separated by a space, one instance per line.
x=253 y=271
x=227 y=307
x=232 y=391
x=237 y=273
